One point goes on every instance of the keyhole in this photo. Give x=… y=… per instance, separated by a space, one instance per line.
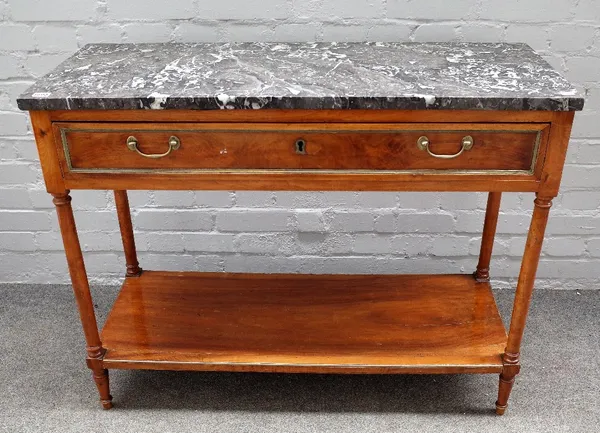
x=301 y=146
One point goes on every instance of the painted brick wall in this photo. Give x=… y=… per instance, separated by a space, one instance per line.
x=296 y=232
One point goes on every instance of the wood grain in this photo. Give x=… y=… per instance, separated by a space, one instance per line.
x=487 y=238
x=304 y=116
x=124 y=216
x=47 y=151
x=312 y=180
x=305 y=323
x=97 y=146
x=83 y=297
x=529 y=265
x=303 y=182
x=554 y=161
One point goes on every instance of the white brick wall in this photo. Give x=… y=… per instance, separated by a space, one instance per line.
x=296 y=232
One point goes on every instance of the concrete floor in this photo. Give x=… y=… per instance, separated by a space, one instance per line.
x=45 y=386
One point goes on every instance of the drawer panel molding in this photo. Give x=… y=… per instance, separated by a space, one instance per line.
x=112 y=148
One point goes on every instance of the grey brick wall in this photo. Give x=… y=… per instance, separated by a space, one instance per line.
x=296 y=232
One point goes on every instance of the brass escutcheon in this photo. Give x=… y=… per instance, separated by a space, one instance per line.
x=301 y=146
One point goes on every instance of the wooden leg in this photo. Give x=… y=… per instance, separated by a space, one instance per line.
x=101 y=379
x=124 y=215
x=529 y=265
x=81 y=288
x=482 y=274
x=506 y=384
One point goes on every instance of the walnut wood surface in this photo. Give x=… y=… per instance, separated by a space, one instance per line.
x=44 y=139
x=554 y=160
x=529 y=265
x=124 y=216
x=163 y=174
x=273 y=146
x=487 y=238
x=306 y=116
x=254 y=322
x=300 y=181
x=81 y=289
x=462 y=334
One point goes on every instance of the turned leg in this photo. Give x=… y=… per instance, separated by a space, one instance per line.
x=482 y=274
x=529 y=265
x=100 y=376
x=124 y=215
x=81 y=288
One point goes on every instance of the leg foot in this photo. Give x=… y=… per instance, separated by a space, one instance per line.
x=101 y=379
x=500 y=409
x=506 y=384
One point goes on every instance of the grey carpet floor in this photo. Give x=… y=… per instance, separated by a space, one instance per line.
x=45 y=386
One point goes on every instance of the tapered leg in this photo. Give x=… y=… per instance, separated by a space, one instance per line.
x=482 y=274
x=124 y=215
x=529 y=265
x=101 y=379
x=504 y=389
x=507 y=379
x=81 y=288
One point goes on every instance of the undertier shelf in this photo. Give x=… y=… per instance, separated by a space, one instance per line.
x=305 y=323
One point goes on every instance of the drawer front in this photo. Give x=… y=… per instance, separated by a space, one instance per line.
x=138 y=147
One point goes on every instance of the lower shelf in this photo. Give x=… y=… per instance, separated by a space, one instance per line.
x=305 y=323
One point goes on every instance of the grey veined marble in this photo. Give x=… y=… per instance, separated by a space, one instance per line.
x=473 y=76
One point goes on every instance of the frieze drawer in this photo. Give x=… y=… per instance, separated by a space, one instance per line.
x=446 y=147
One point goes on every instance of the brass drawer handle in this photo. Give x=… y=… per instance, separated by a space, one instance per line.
x=174 y=144
x=423 y=144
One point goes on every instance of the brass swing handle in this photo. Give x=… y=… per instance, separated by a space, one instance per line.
x=423 y=144
x=174 y=144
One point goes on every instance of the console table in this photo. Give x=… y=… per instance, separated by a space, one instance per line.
x=311 y=116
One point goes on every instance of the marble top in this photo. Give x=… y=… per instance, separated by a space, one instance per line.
x=320 y=75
